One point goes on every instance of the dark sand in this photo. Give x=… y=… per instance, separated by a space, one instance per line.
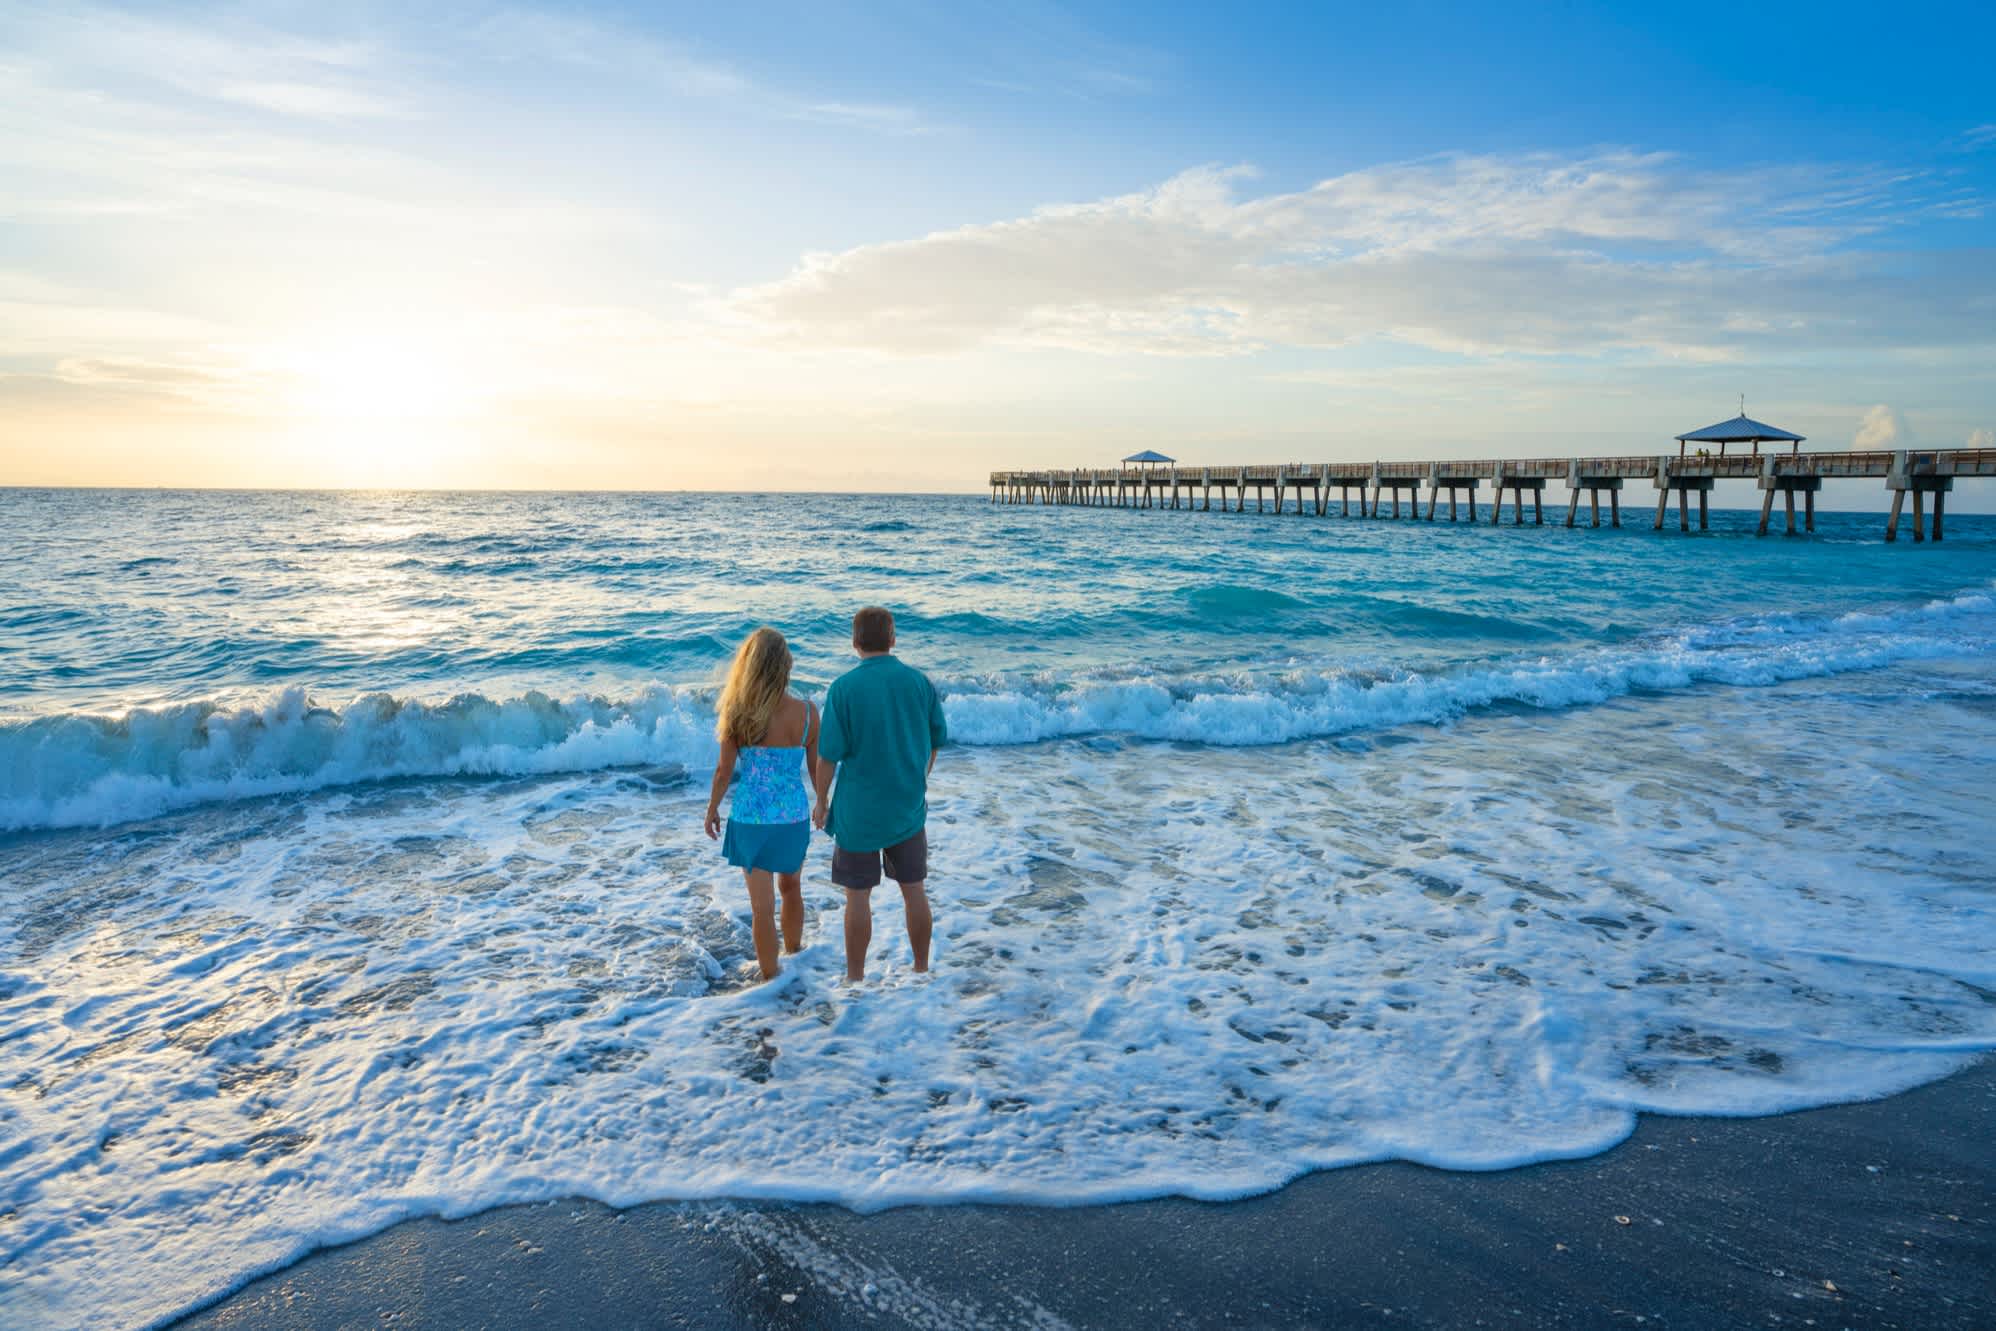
x=1871 y=1215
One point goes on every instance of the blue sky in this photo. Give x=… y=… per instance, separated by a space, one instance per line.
x=862 y=246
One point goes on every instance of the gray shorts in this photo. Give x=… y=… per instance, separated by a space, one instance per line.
x=859 y=870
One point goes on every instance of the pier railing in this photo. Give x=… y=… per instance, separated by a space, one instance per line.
x=1918 y=473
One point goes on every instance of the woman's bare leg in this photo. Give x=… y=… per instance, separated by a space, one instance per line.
x=791 y=885
x=762 y=909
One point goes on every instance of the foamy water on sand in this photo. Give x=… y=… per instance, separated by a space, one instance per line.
x=1266 y=847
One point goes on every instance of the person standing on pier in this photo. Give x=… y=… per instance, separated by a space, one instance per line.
x=883 y=723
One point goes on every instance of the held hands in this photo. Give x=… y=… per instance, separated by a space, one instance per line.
x=713 y=823
x=819 y=814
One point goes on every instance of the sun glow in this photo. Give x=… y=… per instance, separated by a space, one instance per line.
x=380 y=409
x=377 y=378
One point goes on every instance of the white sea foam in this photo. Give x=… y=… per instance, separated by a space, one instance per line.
x=1244 y=709
x=71 y=770
x=288 y=1024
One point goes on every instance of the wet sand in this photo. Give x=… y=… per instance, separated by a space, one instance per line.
x=1867 y=1215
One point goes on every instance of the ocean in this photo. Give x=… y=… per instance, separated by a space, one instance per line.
x=351 y=864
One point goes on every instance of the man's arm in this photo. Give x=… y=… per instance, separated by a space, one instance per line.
x=938 y=727
x=821 y=781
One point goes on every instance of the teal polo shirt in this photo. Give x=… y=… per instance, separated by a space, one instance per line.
x=882 y=720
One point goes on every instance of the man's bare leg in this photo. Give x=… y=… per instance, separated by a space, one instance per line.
x=762 y=909
x=920 y=923
x=791 y=885
x=859 y=931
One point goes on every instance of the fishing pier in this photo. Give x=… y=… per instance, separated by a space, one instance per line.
x=1150 y=480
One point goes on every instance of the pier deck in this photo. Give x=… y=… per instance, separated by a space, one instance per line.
x=1918 y=473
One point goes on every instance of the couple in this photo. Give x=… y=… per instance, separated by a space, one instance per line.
x=879 y=733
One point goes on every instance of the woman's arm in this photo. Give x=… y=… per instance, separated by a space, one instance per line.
x=813 y=721
x=826 y=756
x=724 y=772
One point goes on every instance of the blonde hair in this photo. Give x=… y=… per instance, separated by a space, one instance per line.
x=756 y=685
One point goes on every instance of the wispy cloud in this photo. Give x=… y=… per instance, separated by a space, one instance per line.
x=1109 y=80
x=206 y=383
x=1046 y=50
x=104 y=136
x=1976 y=139
x=54 y=324
x=885 y=118
x=223 y=58
x=1468 y=254
x=540 y=37
x=651 y=64
x=308 y=99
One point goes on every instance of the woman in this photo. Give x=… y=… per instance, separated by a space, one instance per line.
x=773 y=737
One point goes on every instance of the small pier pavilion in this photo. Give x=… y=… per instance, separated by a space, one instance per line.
x=1730 y=450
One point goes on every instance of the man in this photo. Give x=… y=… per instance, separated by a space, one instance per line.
x=882 y=725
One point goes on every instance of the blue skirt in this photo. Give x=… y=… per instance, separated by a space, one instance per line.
x=776 y=847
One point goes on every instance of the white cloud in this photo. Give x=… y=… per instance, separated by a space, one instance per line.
x=888 y=119
x=78 y=146
x=42 y=327
x=652 y=65
x=1486 y=255
x=1983 y=437
x=207 y=380
x=230 y=59
x=307 y=99
x=530 y=35
x=1978 y=138
x=1883 y=427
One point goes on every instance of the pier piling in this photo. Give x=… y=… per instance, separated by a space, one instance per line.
x=1593 y=479
x=1922 y=474
x=1789 y=476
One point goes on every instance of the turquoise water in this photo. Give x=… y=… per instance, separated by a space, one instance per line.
x=1040 y=622
x=350 y=863
x=123 y=599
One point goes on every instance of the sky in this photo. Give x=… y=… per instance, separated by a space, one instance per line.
x=835 y=246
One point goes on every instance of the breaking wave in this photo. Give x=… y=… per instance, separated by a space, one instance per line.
x=81 y=770
x=76 y=770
